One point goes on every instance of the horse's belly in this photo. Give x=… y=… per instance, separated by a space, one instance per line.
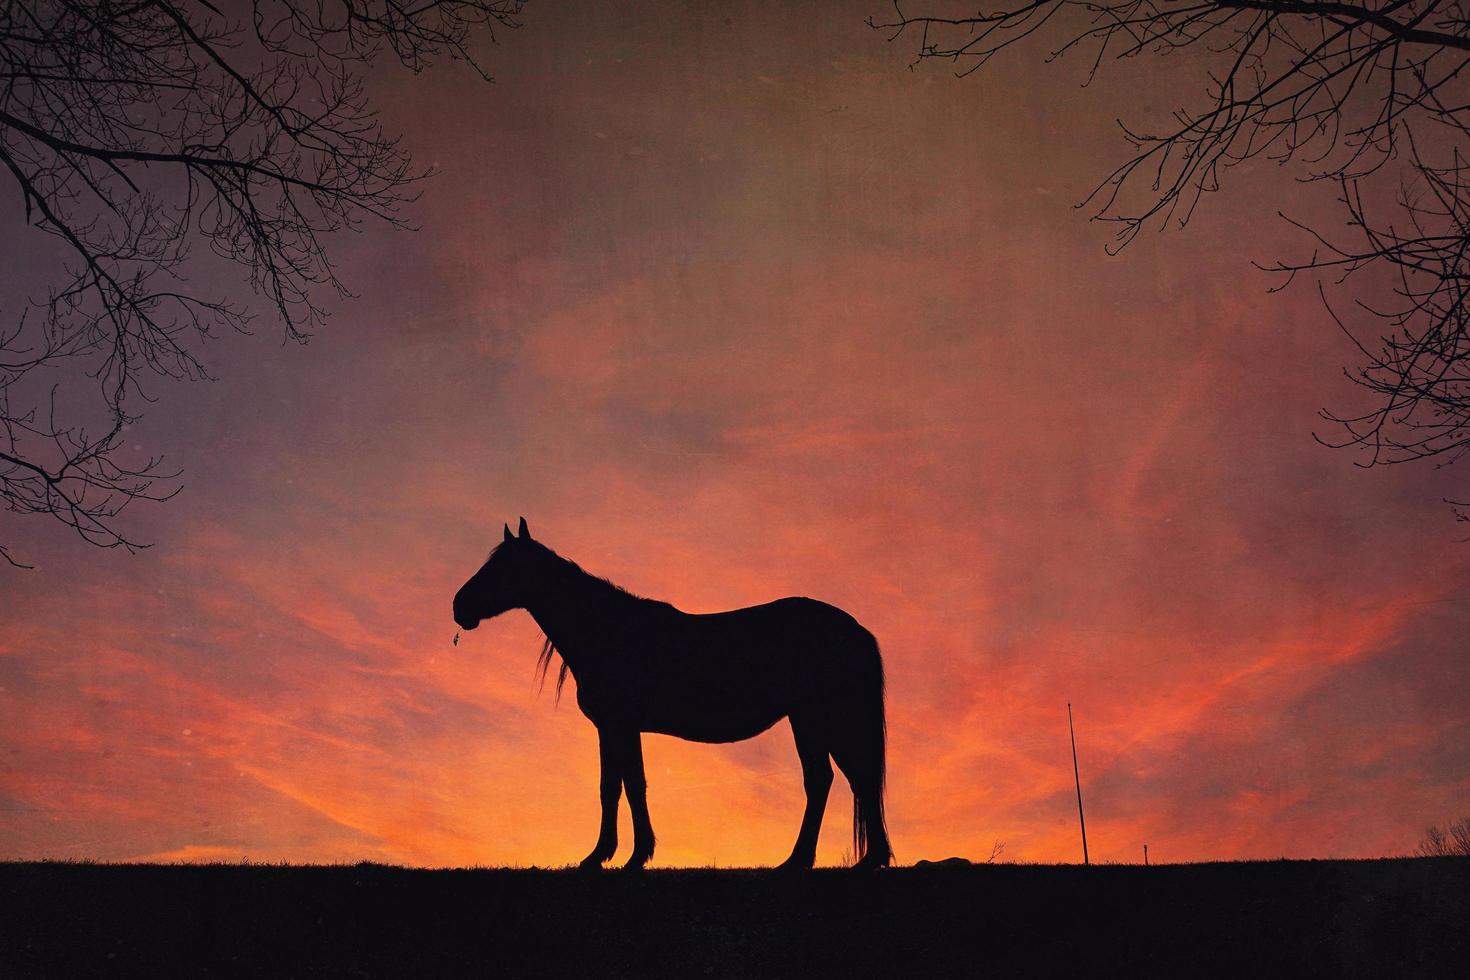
x=712 y=729
x=719 y=706
x=697 y=696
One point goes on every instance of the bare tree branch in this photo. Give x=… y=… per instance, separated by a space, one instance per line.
x=1361 y=95
x=1453 y=841
x=134 y=131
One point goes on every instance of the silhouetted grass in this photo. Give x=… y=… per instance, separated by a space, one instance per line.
x=1321 y=918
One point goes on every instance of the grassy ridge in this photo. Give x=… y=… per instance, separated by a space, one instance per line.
x=1320 y=918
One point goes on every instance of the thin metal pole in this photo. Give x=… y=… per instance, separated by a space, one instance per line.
x=1077 y=775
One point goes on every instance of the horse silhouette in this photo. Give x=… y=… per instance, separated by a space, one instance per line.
x=644 y=666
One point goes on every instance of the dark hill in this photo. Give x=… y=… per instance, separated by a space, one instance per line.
x=1396 y=918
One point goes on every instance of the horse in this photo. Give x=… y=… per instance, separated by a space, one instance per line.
x=641 y=665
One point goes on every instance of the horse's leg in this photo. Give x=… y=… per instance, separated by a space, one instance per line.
x=816 y=778
x=637 y=787
x=610 y=789
x=861 y=762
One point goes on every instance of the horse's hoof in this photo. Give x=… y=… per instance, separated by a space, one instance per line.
x=871 y=863
x=593 y=862
x=791 y=865
x=635 y=863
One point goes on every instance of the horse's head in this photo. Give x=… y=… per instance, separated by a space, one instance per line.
x=501 y=583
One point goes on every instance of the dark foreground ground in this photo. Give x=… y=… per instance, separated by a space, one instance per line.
x=1392 y=918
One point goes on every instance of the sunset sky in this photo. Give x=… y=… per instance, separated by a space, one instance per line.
x=731 y=304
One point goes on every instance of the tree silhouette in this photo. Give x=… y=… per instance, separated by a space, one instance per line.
x=1451 y=841
x=1368 y=96
x=136 y=132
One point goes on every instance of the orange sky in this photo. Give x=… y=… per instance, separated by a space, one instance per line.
x=734 y=306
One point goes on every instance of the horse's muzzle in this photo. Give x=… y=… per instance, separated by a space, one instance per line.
x=463 y=618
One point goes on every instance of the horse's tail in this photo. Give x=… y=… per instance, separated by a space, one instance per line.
x=868 y=773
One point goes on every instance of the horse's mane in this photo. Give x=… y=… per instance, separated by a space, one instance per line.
x=569 y=566
x=543 y=663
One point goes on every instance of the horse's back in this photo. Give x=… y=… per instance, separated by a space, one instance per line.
x=730 y=675
x=794 y=619
x=792 y=629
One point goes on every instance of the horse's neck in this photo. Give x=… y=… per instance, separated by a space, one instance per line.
x=576 y=613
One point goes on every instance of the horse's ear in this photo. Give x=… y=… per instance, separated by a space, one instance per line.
x=508 y=535
x=525 y=533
